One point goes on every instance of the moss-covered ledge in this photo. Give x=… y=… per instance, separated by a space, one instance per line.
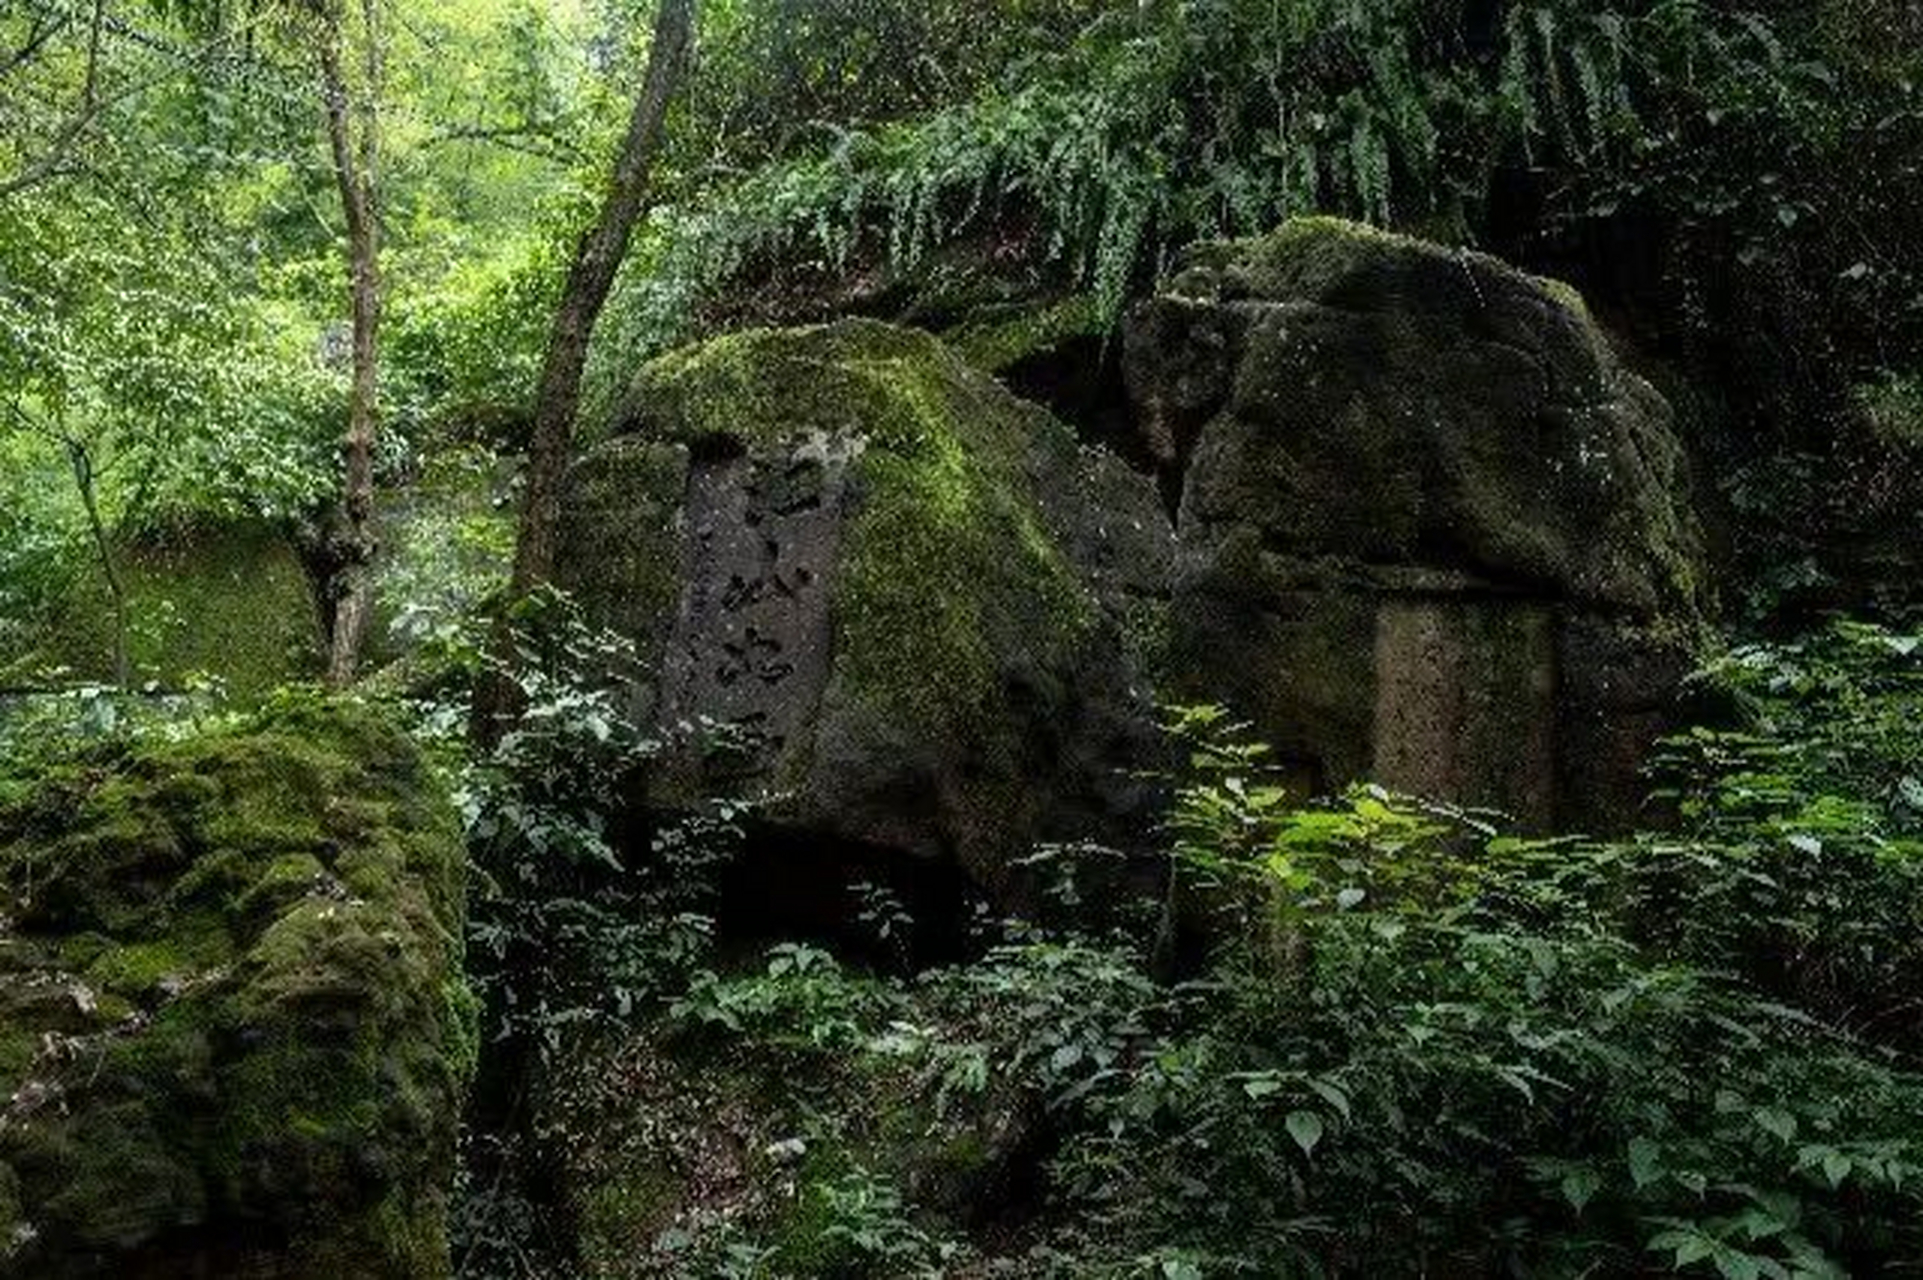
x=234 y=1034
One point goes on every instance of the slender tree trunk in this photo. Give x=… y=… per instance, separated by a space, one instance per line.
x=590 y=278
x=356 y=174
x=597 y=258
x=83 y=477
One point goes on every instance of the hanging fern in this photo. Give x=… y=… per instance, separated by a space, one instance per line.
x=1200 y=118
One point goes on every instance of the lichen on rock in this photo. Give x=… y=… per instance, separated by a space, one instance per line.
x=234 y=1033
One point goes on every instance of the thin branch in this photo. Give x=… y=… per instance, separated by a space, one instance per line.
x=26 y=419
x=51 y=162
x=525 y=139
x=55 y=162
x=37 y=38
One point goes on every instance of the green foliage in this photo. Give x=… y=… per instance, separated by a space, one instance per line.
x=171 y=285
x=121 y=340
x=1416 y=1040
x=570 y=939
x=1165 y=123
x=540 y=809
x=464 y=356
x=804 y=1002
x=779 y=75
x=448 y=540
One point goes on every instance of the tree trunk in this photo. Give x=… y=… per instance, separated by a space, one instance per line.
x=356 y=175
x=83 y=477
x=597 y=257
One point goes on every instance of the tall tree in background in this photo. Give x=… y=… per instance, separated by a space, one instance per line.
x=597 y=258
x=348 y=586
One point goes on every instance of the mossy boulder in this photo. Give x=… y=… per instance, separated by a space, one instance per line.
x=225 y=600
x=234 y=1035
x=1433 y=531
x=918 y=606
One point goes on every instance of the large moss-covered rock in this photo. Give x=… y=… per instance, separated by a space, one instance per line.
x=228 y=600
x=918 y=605
x=233 y=1030
x=1432 y=530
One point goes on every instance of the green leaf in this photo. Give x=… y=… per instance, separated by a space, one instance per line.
x=1306 y=1128
x=1332 y=1094
x=1579 y=1187
x=1645 y=1162
x=1686 y=1246
x=1777 y=1121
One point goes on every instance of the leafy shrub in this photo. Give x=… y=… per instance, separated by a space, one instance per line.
x=565 y=933
x=569 y=937
x=803 y=1002
x=1418 y=1043
x=1169 y=122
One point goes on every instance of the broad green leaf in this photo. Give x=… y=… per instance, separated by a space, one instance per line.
x=1306 y=1128
x=1645 y=1158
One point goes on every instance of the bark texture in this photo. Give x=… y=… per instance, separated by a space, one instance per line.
x=356 y=174
x=597 y=258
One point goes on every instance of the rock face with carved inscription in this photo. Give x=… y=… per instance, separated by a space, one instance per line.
x=1433 y=533
x=895 y=604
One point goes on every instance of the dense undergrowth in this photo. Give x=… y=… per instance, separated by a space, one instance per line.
x=1411 y=1040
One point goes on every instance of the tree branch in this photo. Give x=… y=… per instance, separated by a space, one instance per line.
x=55 y=160
x=524 y=139
x=44 y=28
x=52 y=161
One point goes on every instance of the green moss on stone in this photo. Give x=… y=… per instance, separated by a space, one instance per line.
x=623 y=560
x=1893 y=409
x=1304 y=257
x=1308 y=256
x=134 y=970
x=230 y=602
x=1567 y=295
x=946 y=566
x=285 y=895
x=995 y=345
x=18 y=1045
